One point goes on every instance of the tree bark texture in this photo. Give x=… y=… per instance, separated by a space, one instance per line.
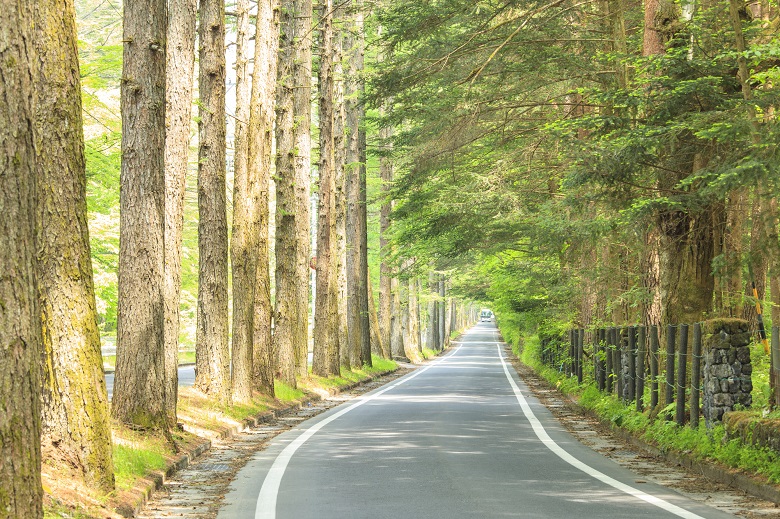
x=365 y=298
x=285 y=306
x=261 y=133
x=180 y=69
x=415 y=342
x=75 y=419
x=212 y=354
x=377 y=346
x=442 y=314
x=340 y=158
x=243 y=245
x=20 y=319
x=302 y=72
x=385 y=272
x=432 y=330
x=325 y=355
x=397 y=346
x=139 y=381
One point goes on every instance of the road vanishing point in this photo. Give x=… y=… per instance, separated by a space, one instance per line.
x=462 y=437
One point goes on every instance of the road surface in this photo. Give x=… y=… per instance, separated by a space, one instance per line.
x=459 y=438
x=186 y=378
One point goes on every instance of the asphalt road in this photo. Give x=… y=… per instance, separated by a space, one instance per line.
x=459 y=438
x=186 y=378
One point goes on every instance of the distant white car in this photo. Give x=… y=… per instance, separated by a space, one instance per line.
x=486 y=316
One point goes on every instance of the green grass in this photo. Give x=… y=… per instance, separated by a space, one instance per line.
x=286 y=393
x=428 y=353
x=352 y=376
x=185 y=357
x=131 y=463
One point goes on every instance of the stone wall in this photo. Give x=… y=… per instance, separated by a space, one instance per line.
x=727 y=368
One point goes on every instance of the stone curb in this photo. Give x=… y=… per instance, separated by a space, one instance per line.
x=157 y=479
x=710 y=470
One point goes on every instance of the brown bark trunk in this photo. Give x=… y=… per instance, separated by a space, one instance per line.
x=285 y=305
x=180 y=69
x=326 y=277
x=415 y=344
x=377 y=346
x=243 y=245
x=302 y=142
x=139 y=380
x=75 y=425
x=20 y=319
x=366 y=298
x=212 y=353
x=733 y=251
x=386 y=176
x=397 y=345
x=255 y=250
x=340 y=157
x=652 y=43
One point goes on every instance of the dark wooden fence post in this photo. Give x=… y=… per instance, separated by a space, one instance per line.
x=580 y=354
x=601 y=364
x=695 y=375
x=653 y=366
x=682 y=372
x=775 y=363
x=670 y=339
x=631 y=382
x=617 y=362
x=608 y=355
x=640 y=368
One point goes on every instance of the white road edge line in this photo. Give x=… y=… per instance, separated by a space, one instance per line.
x=266 y=500
x=541 y=433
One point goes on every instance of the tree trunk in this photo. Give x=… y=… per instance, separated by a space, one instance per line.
x=432 y=335
x=212 y=353
x=256 y=213
x=75 y=426
x=386 y=176
x=442 y=315
x=243 y=245
x=302 y=142
x=180 y=69
x=139 y=381
x=377 y=346
x=366 y=298
x=326 y=277
x=20 y=318
x=397 y=344
x=415 y=344
x=340 y=158
x=285 y=307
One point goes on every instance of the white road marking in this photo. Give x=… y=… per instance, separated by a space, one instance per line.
x=266 y=500
x=541 y=433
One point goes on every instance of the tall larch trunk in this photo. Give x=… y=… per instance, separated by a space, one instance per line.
x=180 y=69
x=377 y=346
x=261 y=134
x=302 y=73
x=340 y=160
x=243 y=245
x=285 y=305
x=397 y=345
x=432 y=330
x=352 y=186
x=415 y=342
x=212 y=353
x=75 y=426
x=365 y=298
x=139 y=381
x=385 y=272
x=442 y=314
x=324 y=326
x=20 y=319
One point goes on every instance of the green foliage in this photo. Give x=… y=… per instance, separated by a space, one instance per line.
x=286 y=393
